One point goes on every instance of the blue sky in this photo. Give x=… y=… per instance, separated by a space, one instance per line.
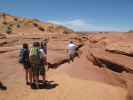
x=80 y=15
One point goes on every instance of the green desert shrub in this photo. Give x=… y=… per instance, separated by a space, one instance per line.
x=8 y=30
x=18 y=26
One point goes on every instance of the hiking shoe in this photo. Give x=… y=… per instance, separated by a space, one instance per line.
x=36 y=85
x=28 y=83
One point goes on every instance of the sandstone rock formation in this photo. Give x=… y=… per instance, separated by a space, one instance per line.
x=103 y=70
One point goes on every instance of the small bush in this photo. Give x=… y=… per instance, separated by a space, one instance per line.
x=15 y=19
x=9 y=30
x=35 y=24
x=5 y=23
x=18 y=26
x=41 y=28
x=65 y=32
x=10 y=25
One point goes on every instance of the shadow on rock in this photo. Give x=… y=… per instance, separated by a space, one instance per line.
x=48 y=85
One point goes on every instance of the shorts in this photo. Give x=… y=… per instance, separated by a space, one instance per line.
x=71 y=56
x=38 y=69
x=27 y=66
x=74 y=54
x=42 y=70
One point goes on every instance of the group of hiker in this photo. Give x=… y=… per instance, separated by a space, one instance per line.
x=34 y=61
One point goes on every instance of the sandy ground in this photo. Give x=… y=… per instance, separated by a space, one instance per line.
x=66 y=87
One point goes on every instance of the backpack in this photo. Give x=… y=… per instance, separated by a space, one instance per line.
x=23 y=56
x=35 y=56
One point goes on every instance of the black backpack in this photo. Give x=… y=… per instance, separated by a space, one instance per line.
x=24 y=56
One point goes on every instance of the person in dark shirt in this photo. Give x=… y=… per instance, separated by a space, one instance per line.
x=24 y=60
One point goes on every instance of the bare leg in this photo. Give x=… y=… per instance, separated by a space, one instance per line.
x=71 y=58
x=36 y=78
x=26 y=76
x=44 y=78
x=43 y=72
x=30 y=75
x=35 y=75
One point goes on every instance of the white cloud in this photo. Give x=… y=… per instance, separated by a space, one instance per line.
x=82 y=25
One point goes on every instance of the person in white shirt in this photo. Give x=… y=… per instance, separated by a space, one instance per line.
x=72 y=49
x=43 y=64
x=44 y=45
